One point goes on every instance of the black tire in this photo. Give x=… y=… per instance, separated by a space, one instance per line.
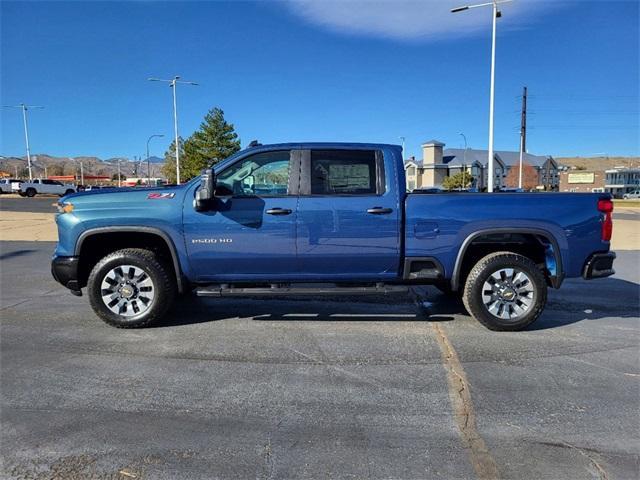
x=163 y=283
x=69 y=192
x=494 y=264
x=22 y=194
x=31 y=192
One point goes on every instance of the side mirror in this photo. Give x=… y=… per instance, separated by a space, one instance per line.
x=204 y=195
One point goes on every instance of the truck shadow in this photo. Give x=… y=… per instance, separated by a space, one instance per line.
x=581 y=300
x=15 y=253
x=577 y=301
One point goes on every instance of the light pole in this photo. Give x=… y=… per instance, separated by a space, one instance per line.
x=173 y=83
x=24 y=109
x=496 y=14
x=148 y=162
x=464 y=159
x=403 y=155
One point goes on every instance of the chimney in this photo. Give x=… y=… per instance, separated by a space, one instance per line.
x=432 y=152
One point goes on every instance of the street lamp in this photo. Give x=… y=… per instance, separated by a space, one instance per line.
x=464 y=159
x=496 y=14
x=173 y=83
x=403 y=155
x=148 y=162
x=24 y=109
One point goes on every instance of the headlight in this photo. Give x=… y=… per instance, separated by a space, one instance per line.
x=65 y=207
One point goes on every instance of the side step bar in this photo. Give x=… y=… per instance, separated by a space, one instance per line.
x=226 y=290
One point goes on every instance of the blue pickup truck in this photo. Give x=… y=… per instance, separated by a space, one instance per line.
x=325 y=218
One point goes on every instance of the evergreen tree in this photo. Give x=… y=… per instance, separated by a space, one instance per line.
x=214 y=141
x=169 y=165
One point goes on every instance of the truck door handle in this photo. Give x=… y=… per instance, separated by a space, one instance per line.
x=379 y=211
x=278 y=211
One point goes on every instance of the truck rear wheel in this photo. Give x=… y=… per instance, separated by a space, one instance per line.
x=131 y=288
x=505 y=291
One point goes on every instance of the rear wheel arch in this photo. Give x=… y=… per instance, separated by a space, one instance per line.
x=469 y=252
x=94 y=244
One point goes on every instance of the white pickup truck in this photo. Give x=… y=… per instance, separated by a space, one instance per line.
x=9 y=185
x=43 y=185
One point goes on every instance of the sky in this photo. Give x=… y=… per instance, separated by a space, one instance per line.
x=312 y=70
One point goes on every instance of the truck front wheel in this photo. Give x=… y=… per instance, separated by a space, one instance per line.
x=31 y=192
x=131 y=288
x=505 y=291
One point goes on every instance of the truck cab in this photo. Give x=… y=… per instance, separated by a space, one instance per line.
x=325 y=218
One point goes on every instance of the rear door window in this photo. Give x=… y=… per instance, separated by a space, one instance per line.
x=343 y=172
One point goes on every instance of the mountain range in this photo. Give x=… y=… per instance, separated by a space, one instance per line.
x=47 y=165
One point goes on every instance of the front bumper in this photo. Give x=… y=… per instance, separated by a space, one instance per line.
x=599 y=265
x=65 y=272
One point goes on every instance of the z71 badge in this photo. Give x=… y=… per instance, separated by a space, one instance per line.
x=159 y=196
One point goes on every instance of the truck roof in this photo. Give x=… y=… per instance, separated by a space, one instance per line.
x=328 y=145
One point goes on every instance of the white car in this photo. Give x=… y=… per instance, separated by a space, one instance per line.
x=631 y=194
x=8 y=185
x=43 y=185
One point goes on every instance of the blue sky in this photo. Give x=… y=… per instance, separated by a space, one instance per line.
x=308 y=70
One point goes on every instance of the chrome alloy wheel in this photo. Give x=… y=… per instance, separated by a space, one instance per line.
x=508 y=293
x=127 y=290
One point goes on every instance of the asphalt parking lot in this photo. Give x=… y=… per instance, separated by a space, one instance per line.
x=341 y=388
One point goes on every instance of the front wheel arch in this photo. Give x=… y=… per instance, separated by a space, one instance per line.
x=94 y=244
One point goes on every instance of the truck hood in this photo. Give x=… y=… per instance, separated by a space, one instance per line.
x=123 y=196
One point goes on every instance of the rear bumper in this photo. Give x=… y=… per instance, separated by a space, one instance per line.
x=65 y=272
x=599 y=265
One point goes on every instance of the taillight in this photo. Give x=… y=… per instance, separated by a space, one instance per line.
x=605 y=206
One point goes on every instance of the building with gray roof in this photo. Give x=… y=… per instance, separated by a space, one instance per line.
x=437 y=163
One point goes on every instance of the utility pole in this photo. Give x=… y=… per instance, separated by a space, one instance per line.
x=81 y=173
x=547 y=176
x=464 y=160
x=24 y=109
x=119 y=177
x=403 y=154
x=173 y=84
x=523 y=133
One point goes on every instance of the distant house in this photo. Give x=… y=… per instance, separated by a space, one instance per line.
x=582 y=181
x=619 y=181
x=437 y=163
x=616 y=181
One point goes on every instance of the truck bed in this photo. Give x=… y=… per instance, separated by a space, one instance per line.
x=437 y=225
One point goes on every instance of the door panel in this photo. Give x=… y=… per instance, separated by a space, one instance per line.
x=250 y=235
x=348 y=221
